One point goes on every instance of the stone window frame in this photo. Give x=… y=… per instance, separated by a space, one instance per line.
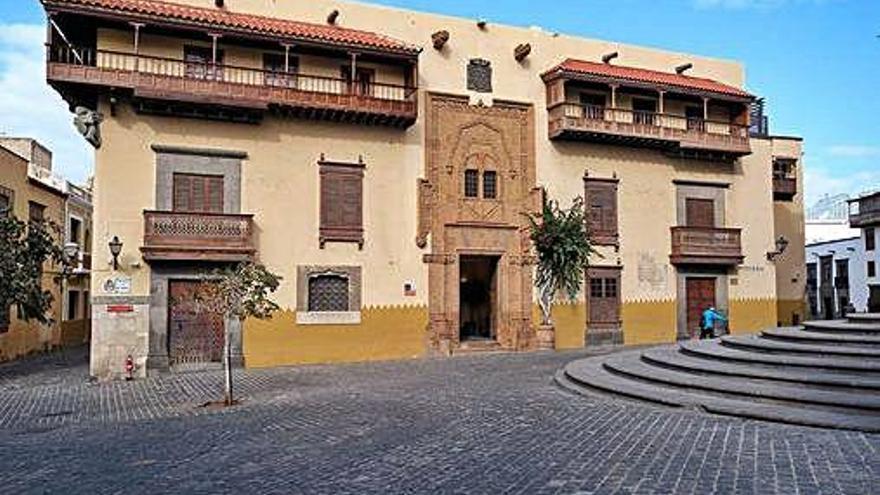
x=9 y=194
x=305 y=273
x=201 y=161
x=701 y=190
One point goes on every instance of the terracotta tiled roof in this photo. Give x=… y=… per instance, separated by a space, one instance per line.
x=224 y=19
x=646 y=76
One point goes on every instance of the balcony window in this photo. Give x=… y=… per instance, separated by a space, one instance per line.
x=695 y=120
x=198 y=193
x=872 y=269
x=74 y=230
x=700 y=212
x=278 y=72
x=363 y=83
x=644 y=111
x=199 y=63
x=870 y=239
x=593 y=105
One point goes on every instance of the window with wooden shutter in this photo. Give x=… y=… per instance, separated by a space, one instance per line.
x=198 y=193
x=601 y=210
x=700 y=212
x=341 y=202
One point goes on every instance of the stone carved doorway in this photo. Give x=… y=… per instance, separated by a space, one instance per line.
x=480 y=179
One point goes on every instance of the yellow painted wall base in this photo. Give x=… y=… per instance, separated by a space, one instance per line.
x=648 y=322
x=569 y=320
x=787 y=308
x=384 y=334
x=752 y=315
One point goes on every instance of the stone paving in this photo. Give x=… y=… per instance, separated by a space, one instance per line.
x=481 y=424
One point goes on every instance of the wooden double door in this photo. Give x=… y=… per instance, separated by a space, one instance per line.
x=700 y=293
x=194 y=336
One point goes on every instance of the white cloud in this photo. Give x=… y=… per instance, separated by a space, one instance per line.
x=854 y=151
x=30 y=108
x=820 y=182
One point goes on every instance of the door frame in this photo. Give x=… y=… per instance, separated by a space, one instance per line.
x=721 y=294
x=494 y=290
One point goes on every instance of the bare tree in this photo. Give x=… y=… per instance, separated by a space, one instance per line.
x=237 y=293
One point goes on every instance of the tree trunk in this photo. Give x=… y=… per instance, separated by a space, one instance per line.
x=545 y=301
x=227 y=365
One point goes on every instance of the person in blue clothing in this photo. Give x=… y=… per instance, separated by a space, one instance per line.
x=707 y=325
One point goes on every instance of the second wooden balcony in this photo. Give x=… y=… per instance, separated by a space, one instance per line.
x=706 y=246
x=185 y=236
x=216 y=90
x=573 y=121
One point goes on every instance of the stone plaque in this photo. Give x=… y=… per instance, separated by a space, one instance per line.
x=479 y=76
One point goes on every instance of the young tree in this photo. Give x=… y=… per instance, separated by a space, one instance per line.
x=563 y=247
x=25 y=248
x=237 y=293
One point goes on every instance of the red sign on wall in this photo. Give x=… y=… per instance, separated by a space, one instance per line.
x=120 y=308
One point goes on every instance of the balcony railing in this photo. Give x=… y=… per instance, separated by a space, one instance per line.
x=784 y=188
x=573 y=120
x=706 y=246
x=234 y=86
x=172 y=235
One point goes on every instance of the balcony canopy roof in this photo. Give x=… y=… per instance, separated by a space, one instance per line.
x=224 y=21
x=608 y=73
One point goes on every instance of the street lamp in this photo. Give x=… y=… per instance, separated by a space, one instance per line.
x=781 y=246
x=115 y=249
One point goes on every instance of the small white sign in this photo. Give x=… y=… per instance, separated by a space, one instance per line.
x=118 y=285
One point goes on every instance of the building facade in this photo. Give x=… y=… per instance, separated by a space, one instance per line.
x=30 y=191
x=382 y=161
x=865 y=215
x=836 y=278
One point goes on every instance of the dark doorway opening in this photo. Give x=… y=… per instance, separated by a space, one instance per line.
x=874 y=299
x=477 y=295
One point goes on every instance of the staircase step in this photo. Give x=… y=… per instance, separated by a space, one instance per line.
x=632 y=366
x=711 y=350
x=588 y=374
x=672 y=358
x=809 y=337
x=756 y=344
x=843 y=327
x=864 y=317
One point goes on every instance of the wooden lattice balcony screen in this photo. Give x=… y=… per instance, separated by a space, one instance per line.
x=198 y=236
x=706 y=245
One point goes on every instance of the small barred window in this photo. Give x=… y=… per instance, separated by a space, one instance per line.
x=471 y=183
x=328 y=293
x=490 y=184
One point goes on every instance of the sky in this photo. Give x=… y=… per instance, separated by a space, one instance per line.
x=817 y=63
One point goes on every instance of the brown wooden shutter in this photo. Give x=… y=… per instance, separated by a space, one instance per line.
x=700 y=212
x=341 y=212
x=198 y=193
x=604 y=297
x=601 y=209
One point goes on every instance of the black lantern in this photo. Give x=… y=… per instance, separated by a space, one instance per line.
x=115 y=250
x=781 y=246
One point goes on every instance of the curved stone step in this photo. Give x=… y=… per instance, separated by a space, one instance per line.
x=808 y=337
x=864 y=317
x=757 y=344
x=711 y=350
x=589 y=375
x=672 y=358
x=842 y=327
x=632 y=366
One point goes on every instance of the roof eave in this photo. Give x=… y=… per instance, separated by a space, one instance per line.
x=104 y=13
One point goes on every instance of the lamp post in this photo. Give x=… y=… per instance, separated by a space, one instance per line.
x=115 y=249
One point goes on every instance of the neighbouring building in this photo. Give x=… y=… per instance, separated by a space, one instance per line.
x=30 y=190
x=865 y=215
x=382 y=161
x=836 y=278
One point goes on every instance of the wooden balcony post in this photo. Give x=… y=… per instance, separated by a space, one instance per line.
x=286 y=57
x=705 y=108
x=662 y=102
x=613 y=96
x=137 y=44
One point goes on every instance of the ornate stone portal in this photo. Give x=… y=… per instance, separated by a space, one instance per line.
x=498 y=140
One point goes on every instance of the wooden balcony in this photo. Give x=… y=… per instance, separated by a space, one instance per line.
x=706 y=246
x=784 y=188
x=217 y=90
x=865 y=211
x=183 y=236
x=675 y=133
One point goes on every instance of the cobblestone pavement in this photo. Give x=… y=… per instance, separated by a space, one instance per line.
x=482 y=424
